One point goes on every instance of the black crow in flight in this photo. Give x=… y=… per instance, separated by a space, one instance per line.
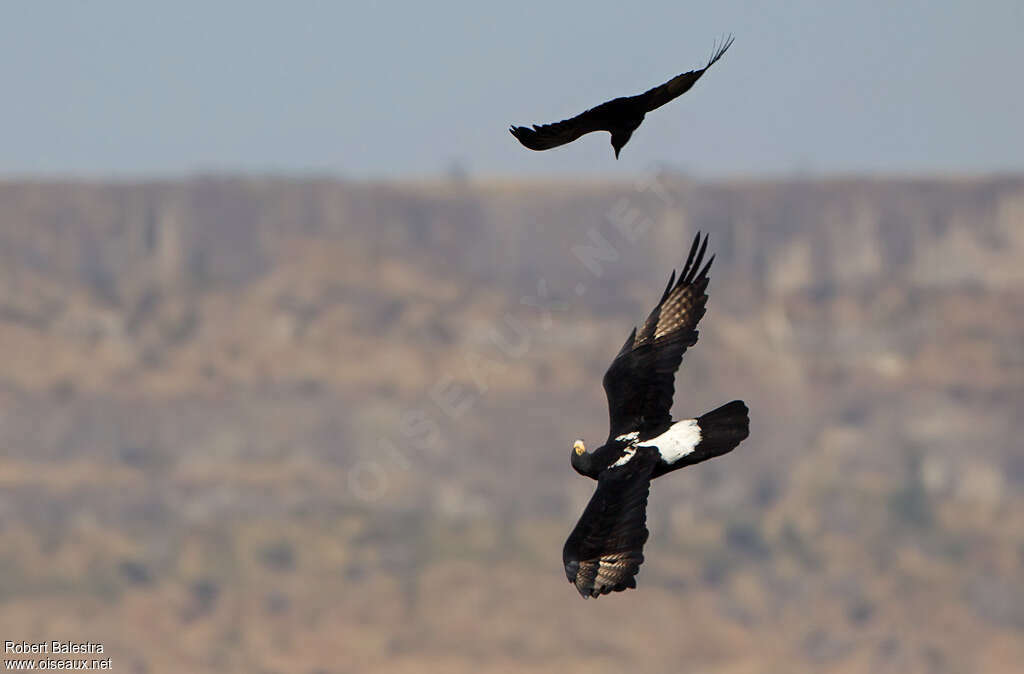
x=620 y=117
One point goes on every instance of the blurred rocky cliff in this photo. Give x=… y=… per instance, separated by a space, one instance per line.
x=220 y=391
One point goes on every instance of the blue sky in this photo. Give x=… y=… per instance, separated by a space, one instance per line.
x=371 y=89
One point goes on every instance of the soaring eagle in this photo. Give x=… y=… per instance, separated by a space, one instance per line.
x=620 y=117
x=605 y=550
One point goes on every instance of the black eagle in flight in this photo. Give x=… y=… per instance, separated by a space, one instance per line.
x=604 y=552
x=620 y=117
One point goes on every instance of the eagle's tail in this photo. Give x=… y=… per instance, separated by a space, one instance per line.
x=721 y=430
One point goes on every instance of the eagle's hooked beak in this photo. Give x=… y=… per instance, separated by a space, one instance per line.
x=579 y=447
x=617 y=152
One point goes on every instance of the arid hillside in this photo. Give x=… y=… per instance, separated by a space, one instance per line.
x=271 y=425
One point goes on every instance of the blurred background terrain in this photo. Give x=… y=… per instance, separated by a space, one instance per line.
x=297 y=337
x=270 y=424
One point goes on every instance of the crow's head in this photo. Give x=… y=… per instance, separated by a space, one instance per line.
x=619 y=139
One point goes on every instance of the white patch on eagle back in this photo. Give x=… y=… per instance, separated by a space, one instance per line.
x=627 y=455
x=679 y=440
x=628 y=452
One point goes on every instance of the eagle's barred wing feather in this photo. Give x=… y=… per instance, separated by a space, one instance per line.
x=604 y=552
x=640 y=383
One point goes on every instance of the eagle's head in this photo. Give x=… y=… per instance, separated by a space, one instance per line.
x=580 y=459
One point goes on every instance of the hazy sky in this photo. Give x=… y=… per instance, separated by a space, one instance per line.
x=368 y=88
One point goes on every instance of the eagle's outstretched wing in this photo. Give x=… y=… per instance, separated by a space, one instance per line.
x=548 y=136
x=604 y=552
x=640 y=382
x=680 y=84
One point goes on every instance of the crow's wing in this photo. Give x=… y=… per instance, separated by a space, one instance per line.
x=604 y=552
x=640 y=382
x=559 y=133
x=678 y=85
